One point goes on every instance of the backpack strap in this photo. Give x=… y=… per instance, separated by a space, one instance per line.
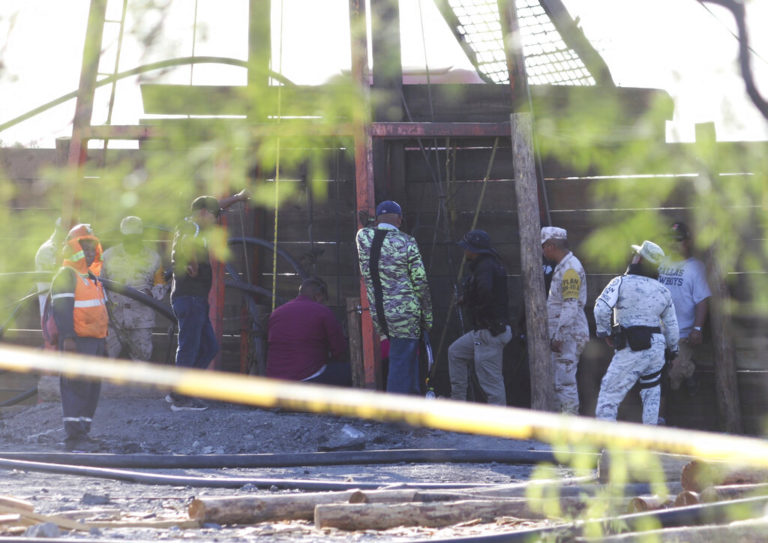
x=378 y=292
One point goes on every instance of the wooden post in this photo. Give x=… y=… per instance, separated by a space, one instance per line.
x=259 y=44
x=726 y=379
x=78 y=145
x=354 y=311
x=542 y=384
x=217 y=293
x=364 y=188
x=388 y=155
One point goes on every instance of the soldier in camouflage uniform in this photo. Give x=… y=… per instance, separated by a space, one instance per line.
x=135 y=265
x=640 y=305
x=398 y=293
x=567 y=322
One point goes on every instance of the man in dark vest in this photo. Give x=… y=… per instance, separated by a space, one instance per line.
x=484 y=300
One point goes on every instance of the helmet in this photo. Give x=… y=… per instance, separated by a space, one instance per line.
x=131 y=225
x=80 y=231
x=73 y=253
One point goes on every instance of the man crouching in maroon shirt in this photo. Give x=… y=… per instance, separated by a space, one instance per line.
x=301 y=335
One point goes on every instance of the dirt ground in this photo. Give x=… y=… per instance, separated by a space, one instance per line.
x=139 y=421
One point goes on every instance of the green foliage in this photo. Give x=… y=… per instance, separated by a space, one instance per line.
x=290 y=134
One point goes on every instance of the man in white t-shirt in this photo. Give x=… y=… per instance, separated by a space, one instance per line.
x=686 y=279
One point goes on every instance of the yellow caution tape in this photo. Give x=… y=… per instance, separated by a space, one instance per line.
x=449 y=415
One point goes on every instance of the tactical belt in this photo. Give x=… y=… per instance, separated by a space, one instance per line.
x=651 y=329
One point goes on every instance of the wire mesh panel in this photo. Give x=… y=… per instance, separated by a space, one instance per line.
x=548 y=60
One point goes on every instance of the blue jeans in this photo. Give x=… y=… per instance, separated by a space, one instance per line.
x=403 y=375
x=197 y=342
x=336 y=373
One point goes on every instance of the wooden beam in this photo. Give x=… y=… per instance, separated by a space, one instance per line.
x=364 y=188
x=542 y=384
x=513 y=49
x=404 y=130
x=720 y=310
x=388 y=130
x=78 y=145
x=259 y=43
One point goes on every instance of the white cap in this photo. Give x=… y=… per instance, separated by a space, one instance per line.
x=650 y=252
x=553 y=232
x=131 y=225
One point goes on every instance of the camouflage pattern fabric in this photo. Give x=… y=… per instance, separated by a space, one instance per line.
x=405 y=291
x=636 y=301
x=627 y=366
x=137 y=341
x=567 y=323
x=144 y=272
x=565 y=364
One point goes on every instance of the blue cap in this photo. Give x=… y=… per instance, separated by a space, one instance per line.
x=389 y=206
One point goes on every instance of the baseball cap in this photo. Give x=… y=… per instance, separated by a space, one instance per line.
x=389 y=207
x=553 y=232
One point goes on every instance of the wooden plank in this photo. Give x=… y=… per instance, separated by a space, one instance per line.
x=542 y=387
x=354 y=330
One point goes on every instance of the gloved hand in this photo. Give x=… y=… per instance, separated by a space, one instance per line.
x=158 y=291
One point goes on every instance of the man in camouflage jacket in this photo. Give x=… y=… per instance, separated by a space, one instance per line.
x=644 y=310
x=398 y=293
x=567 y=322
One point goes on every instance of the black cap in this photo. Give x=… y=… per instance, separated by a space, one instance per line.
x=680 y=231
x=477 y=241
x=206 y=202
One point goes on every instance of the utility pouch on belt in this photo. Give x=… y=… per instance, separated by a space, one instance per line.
x=639 y=337
x=619 y=337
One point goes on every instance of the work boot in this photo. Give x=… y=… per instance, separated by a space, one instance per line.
x=82 y=443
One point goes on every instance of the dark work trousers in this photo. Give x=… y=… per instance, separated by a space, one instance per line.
x=335 y=373
x=79 y=397
x=197 y=342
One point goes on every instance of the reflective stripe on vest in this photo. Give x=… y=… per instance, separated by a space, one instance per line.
x=90 y=313
x=88 y=303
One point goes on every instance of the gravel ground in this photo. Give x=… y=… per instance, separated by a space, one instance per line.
x=139 y=421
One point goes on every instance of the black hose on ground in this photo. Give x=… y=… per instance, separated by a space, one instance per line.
x=19 y=398
x=283 y=460
x=211 y=482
